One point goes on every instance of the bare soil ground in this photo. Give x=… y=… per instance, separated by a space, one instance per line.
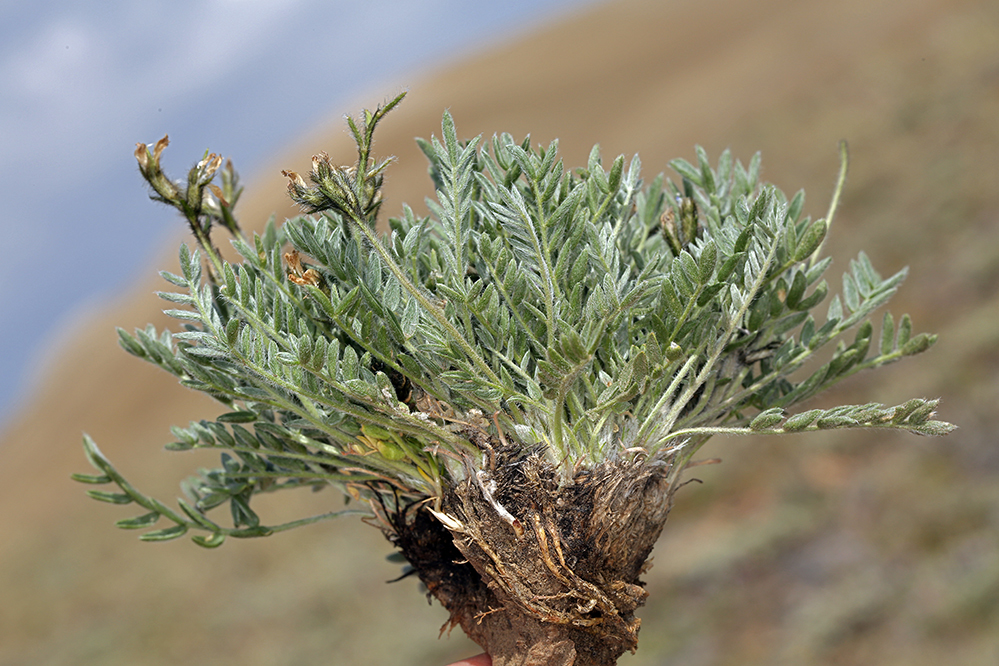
x=848 y=549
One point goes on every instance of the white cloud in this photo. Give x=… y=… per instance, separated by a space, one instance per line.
x=58 y=56
x=210 y=40
x=76 y=83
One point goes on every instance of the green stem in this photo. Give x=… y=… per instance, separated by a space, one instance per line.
x=430 y=307
x=844 y=163
x=722 y=342
x=650 y=420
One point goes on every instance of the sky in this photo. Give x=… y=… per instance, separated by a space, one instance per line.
x=81 y=82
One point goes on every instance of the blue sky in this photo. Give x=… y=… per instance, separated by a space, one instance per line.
x=81 y=82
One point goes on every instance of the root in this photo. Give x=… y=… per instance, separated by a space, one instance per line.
x=538 y=570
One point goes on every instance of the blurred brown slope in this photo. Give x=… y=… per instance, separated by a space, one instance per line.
x=852 y=550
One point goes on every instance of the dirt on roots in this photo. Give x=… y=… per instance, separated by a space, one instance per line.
x=536 y=569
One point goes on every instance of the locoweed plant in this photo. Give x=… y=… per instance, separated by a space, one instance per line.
x=512 y=387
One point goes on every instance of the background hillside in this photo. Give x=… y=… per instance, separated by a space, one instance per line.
x=847 y=549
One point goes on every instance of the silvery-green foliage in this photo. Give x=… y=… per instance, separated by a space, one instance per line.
x=586 y=314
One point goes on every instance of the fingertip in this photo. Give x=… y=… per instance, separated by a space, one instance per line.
x=478 y=660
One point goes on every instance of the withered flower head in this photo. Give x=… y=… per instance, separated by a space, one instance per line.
x=149 y=167
x=296 y=182
x=143 y=154
x=296 y=273
x=208 y=166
